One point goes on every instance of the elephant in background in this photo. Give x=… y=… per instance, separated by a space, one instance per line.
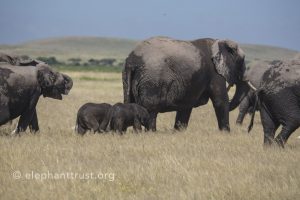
x=20 y=89
x=90 y=116
x=19 y=60
x=163 y=74
x=279 y=97
x=254 y=73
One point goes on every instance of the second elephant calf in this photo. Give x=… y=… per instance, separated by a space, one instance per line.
x=121 y=116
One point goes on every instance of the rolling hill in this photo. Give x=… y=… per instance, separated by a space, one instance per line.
x=85 y=48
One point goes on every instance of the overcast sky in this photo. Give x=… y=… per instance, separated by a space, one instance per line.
x=271 y=22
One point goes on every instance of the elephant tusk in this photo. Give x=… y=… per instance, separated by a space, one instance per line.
x=251 y=86
x=228 y=87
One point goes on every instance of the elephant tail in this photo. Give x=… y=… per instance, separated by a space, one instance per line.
x=131 y=63
x=126 y=76
x=254 y=109
x=78 y=128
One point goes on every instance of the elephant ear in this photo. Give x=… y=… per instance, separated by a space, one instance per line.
x=45 y=77
x=227 y=57
x=7 y=58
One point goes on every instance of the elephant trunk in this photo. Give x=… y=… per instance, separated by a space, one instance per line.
x=241 y=91
x=68 y=83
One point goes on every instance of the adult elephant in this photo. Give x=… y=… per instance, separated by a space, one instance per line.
x=21 y=87
x=164 y=74
x=279 y=97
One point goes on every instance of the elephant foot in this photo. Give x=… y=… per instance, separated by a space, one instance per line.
x=225 y=129
x=279 y=142
x=239 y=122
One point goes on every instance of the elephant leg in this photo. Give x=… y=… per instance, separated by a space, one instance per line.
x=104 y=125
x=124 y=129
x=118 y=125
x=80 y=129
x=290 y=124
x=92 y=124
x=25 y=120
x=285 y=133
x=137 y=126
x=269 y=125
x=4 y=114
x=220 y=102
x=243 y=109
x=285 y=106
x=34 y=124
x=28 y=114
x=152 y=121
x=182 y=119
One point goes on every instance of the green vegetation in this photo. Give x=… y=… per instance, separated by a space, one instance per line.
x=80 y=68
x=88 y=78
x=50 y=60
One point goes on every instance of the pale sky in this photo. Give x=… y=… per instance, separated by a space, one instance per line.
x=272 y=22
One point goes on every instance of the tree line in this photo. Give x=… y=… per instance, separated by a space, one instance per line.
x=107 y=62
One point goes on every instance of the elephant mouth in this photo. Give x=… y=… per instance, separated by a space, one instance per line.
x=66 y=91
x=54 y=96
x=52 y=93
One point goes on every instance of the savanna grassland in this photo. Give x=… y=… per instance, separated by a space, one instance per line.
x=199 y=163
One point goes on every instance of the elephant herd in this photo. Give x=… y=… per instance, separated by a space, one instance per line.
x=161 y=75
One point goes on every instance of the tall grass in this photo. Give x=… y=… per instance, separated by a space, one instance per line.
x=199 y=163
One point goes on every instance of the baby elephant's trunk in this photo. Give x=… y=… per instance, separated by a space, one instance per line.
x=254 y=109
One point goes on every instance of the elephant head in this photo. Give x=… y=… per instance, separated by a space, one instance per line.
x=229 y=61
x=53 y=84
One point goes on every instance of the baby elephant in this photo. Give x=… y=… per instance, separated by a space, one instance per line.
x=90 y=116
x=121 y=116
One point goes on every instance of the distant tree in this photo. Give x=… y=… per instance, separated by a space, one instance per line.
x=49 y=60
x=74 y=61
x=93 y=61
x=107 y=61
x=121 y=64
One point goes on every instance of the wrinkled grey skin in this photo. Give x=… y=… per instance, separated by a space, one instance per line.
x=279 y=96
x=164 y=74
x=21 y=87
x=90 y=116
x=121 y=116
x=253 y=75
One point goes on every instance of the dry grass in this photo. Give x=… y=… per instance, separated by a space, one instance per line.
x=200 y=163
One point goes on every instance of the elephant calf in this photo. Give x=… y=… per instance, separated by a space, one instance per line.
x=121 y=116
x=90 y=116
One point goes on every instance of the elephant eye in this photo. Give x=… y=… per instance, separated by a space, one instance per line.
x=231 y=51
